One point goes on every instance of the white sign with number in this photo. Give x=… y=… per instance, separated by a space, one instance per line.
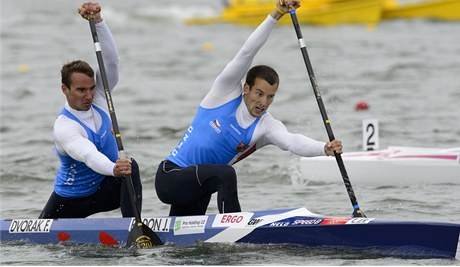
x=370 y=134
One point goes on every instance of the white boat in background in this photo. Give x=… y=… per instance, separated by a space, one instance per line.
x=394 y=166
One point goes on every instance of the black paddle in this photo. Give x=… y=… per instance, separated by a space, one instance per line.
x=141 y=235
x=351 y=194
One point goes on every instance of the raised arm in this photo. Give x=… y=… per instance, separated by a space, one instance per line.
x=228 y=84
x=108 y=47
x=110 y=56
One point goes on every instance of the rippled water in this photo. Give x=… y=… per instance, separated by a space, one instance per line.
x=406 y=70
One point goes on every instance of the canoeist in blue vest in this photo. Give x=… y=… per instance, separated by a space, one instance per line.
x=90 y=178
x=231 y=123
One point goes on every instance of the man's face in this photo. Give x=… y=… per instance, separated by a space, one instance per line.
x=259 y=97
x=80 y=95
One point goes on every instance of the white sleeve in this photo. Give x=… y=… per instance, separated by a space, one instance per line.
x=110 y=57
x=71 y=139
x=228 y=84
x=277 y=134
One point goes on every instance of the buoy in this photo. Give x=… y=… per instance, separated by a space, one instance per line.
x=207 y=47
x=361 y=105
x=371 y=27
x=23 y=68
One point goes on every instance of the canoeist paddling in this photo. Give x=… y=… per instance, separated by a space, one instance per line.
x=95 y=173
x=231 y=123
x=90 y=178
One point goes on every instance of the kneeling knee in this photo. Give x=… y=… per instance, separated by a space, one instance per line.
x=230 y=175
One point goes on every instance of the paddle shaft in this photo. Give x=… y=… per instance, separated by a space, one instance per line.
x=113 y=117
x=351 y=194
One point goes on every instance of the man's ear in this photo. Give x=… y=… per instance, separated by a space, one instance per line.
x=64 y=89
x=246 y=88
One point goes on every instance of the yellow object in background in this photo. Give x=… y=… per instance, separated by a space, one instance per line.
x=23 y=68
x=207 y=47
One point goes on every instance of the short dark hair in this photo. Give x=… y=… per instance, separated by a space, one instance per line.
x=264 y=72
x=79 y=66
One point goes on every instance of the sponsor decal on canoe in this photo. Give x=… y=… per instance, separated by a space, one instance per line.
x=190 y=225
x=307 y=221
x=233 y=219
x=156 y=224
x=359 y=220
x=296 y=221
x=31 y=226
x=279 y=224
x=254 y=222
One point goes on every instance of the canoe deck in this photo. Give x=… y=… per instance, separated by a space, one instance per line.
x=297 y=227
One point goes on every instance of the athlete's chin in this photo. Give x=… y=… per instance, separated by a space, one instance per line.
x=257 y=113
x=85 y=107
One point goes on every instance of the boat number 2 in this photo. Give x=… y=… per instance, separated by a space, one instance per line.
x=370 y=134
x=371 y=130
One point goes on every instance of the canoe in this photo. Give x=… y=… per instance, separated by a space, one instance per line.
x=393 y=166
x=431 y=9
x=319 y=12
x=296 y=226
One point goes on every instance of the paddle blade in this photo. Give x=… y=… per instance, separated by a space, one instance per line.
x=358 y=213
x=142 y=236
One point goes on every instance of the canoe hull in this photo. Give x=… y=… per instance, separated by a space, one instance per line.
x=297 y=227
x=437 y=9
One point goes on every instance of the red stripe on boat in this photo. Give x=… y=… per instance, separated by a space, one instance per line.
x=107 y=239
x=63 y=236
x=335 y=221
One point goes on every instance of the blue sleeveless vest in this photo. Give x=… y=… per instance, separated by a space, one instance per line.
x=214 y=137
x=74 y=178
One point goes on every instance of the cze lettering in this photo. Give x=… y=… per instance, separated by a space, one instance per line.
x=359 y=220
x=184 y=139
x=30 y=226
x=231 y=219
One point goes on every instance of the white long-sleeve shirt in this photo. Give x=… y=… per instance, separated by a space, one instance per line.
x=229 y=84
x=70 y=138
